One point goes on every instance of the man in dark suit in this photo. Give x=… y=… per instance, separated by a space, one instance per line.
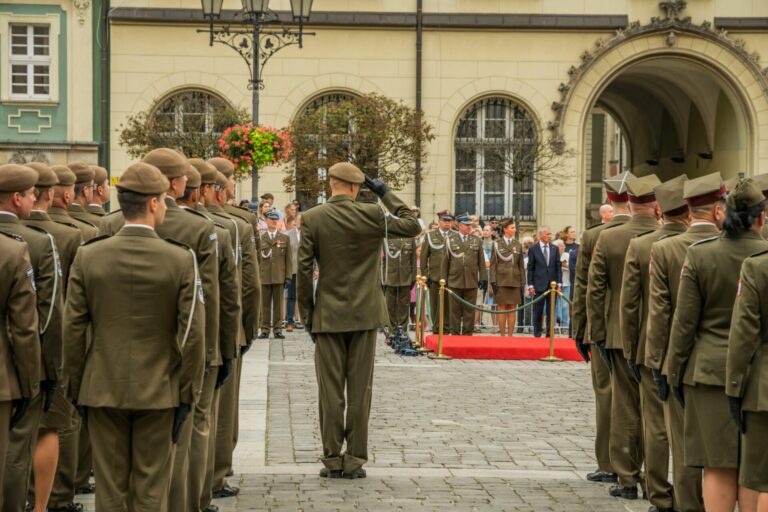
x=543 y=268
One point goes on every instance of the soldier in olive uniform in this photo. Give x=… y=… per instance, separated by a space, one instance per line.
x=431 y=261
x=275 y=267
x=19 y=341
x=17 y=200
x=603 y=304
x=101 y=190
x=696 y=358
x=343 y=320
x=633 y=315
x=399 y=269
x=704 y=198
x=84 y=176
x=63 y=198
x=462 y=263
x=507 y=275
x=140 y=297
x=616 y=192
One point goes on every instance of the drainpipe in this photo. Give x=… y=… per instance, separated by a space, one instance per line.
x=419 y=33
x=105 y=80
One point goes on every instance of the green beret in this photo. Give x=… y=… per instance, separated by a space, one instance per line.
x=640 y=190
x=670 y=196
x=17 y=178
x=46 y=178
x=704 y=190
x=221 y=180
x=616 y=187
x=83 y=172
x=193 y=177
x=65 y=175
x=207 y=171
x=346 y=171
x=222 y=165
x=170 y=162
x=143 y=178
x=100 y=174
x=745 y=195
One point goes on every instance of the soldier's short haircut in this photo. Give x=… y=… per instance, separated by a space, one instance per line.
x=5 y=197
x=742 y=220
x=39 y=191
x=187 y=193
x=79 y=188
x=702 y=211
x=132 y=204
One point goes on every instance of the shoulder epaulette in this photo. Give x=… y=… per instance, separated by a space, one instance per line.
x=96 y=239
x=16 y=237
x=220 y=226
x=595 y=226
x=711 y=239
x=611 y=226
x=85 y=222
x=645 y=233
x=65 y=223
x=112 y=212
x=179 y=244
x=199 y=214
x=38 y=229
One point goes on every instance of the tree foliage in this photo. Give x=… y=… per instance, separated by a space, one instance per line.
x=381 y=136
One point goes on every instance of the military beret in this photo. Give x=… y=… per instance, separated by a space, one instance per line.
x=346 y=171
x=66 y=176
x=616 y=187
x=761 y=180
x=745 y=195
x=17 y=178
x=83 y=172
x=704 y=190
x=272 y=215
x=464 y=219
x=45 y=176
x=170 y=162
x=640 y=190
x=222 y=165
x=193 y=177
x=221 y=180
x=207 y=171
x=143 y=178
x=670 y=196
x=100 y=174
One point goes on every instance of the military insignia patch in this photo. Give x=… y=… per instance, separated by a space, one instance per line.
x=738 y=290
x=31 y=275
x=200 y=292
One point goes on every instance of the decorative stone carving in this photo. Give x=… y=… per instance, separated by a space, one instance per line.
x=25 y=156
x=673 y=8
x=82 y=8
x=671 y=39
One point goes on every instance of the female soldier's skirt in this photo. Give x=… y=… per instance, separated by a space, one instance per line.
x=711 y=436
x=753 y=470
x=507 y=295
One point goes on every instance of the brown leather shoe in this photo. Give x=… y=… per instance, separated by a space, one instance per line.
x=289 y=328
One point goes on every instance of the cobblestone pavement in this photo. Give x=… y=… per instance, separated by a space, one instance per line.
x=458 y=435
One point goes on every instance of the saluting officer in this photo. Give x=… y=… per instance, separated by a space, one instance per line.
x=19 y=341
x=616 y=192
x=84 y=175
x=697 y=353
x=17 y=198
x=275 y=267
x=633 y=316
x=431 y=261
x=507 y=275
x=139 y=296
x=603 y=302
x=704 y=197
x=462 y=263
x=399 y=269
x=100 y=195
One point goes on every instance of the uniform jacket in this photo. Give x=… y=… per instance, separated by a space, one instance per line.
x=274 y=258
x=579 y=317
x=634 y=290
x=87 y=230
x=399 y=262
x=698 y=343
x=463 y=262
x=96 y=209
x=432 y=254
x=605 y=277
x=344 y=237
x=139 y=295
x=540 y=272
x=667 y=258
x=78 y=212
x=508 y=264
x=68 y=239
x=19 y=341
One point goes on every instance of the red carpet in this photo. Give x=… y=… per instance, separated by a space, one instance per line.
x=496 y=347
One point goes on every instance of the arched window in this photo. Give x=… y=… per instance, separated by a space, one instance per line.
x=488 y=135
x=193 y=111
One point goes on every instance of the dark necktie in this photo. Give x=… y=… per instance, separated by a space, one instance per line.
x=546 y=254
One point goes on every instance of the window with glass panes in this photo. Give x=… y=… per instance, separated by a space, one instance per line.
x=191 y=112
x=30 y=61
x=482 y=185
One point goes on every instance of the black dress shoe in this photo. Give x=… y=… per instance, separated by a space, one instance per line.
x=264 y=335
x=279 y=336
x=69 y=507
x=88 y=489
x=602 y=476
x=654 y=508
x=628 y=493
x=358 y=473
x=226 y=492
x=331 y=473
x=231 y=472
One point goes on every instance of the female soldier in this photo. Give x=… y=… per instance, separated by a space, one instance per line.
x=699 y=342
x=507 y=275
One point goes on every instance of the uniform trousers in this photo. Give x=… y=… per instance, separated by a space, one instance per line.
x=462 y=317
x=434 y=308
x=398 y=305
x=177 y=498
x=272 y=307
x=344 y=361
x=5 y=421
x=655 y=444
x=685 y=479
x=626 y=444
x=601 y=384
x=202 y=430
x=226 y=426
x=207 y=491
x=84 y=460
x=132 y=458
x=22 y=440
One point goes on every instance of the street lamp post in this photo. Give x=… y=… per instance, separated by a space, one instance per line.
x=256 y=45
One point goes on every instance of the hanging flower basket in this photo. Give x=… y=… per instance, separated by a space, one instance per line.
x=250 y=147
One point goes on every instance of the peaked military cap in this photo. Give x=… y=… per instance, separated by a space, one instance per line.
x=464 y=219
x=100 y=174
x=616 y=187
x=670 y=196
x=640 y=190
x=16 y=178
x=704 y=190
x=346 y=171
x=207 y=171
x=193 y=177
x=168 y=161
x=221 y=180
x=445 y=215
x=745 y=195
x=761 y=180
x=222 y=165
x=83 y=172
x=45 y=176
x=143 y=178
x=272 y=215
x=64 y=174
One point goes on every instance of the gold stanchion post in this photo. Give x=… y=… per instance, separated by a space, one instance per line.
x=422 y=305
x=440 y=354
x=552 y=300
x=417 y=334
